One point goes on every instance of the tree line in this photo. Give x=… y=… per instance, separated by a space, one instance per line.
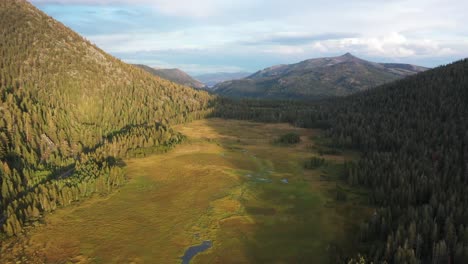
x=413 y=136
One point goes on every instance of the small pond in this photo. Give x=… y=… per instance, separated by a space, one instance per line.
x=194 y=250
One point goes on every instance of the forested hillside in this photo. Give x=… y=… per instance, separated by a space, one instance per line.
x=69 y=111
x=413 y=135
x=174 y=75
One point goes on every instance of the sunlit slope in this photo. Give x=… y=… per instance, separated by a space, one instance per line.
x=316 y=78
x=174 y=75
x=61 y=98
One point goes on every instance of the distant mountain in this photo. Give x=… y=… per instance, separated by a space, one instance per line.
x=414 y=133
x=174 y=75
x=212 y=79
x=315 y=78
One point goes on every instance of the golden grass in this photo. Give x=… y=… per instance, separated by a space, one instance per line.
x=201 y=191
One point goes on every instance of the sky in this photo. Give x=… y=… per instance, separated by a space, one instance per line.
x=207 y=36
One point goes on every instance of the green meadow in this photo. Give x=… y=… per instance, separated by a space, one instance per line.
x=228 y=183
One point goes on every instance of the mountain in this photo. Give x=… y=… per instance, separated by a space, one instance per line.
x=211 y=79
x=174 y=75
x=69 y=112
x=413 y=136
x=323 y=77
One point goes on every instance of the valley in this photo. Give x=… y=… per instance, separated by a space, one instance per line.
x=230 y=184
x=335 y=159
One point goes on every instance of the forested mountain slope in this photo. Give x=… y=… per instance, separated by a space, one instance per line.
x=68 y=111
x=174 y=75
x=413 y=135
x=316 y=78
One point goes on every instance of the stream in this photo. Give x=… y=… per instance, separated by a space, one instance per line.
x=194 y=250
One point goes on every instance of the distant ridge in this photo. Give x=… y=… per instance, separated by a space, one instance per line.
x=211 y=79
x=174 y=75
x=322 y=77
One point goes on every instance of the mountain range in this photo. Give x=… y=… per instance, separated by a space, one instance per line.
x=211 y=79
x=174 y=75
x=315 y=78
x=71 y=115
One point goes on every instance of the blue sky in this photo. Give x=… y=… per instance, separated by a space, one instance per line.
x=207 y=36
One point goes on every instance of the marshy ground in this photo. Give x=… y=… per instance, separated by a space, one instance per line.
x=228 y=184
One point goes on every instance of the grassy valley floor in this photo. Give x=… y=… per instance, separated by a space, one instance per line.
x=230 y=184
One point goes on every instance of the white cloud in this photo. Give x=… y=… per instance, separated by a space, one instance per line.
x=392 y=45
x=285 y=50
x=270 y=31
x=319 y=47
x=191 y=38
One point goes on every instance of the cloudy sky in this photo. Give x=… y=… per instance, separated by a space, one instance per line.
x=204 y=36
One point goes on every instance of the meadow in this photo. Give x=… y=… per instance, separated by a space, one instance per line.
x=230 y=184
